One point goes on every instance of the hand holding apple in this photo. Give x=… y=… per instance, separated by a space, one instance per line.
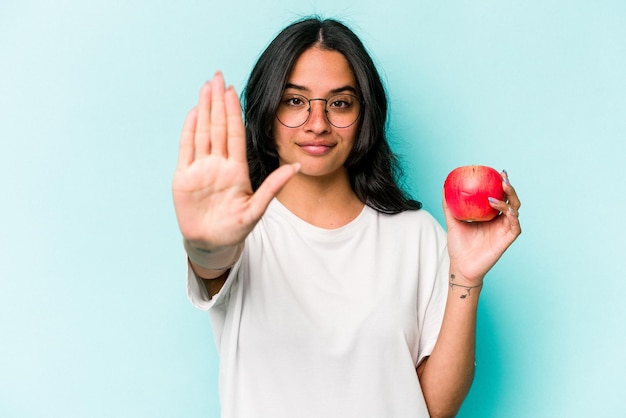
x=474 y=247
x=467 y=191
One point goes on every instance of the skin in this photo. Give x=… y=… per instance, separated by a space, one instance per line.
x=216 y=208
x=320 y=193
x=474 y=248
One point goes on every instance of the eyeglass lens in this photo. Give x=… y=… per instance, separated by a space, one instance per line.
x=342 y=110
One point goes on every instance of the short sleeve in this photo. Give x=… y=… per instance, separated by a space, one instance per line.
x=197 y=292
x=435 y=302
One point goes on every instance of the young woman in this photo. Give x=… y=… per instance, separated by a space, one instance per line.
x=331 y=294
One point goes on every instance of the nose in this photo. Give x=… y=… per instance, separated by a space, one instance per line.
x=317 y=122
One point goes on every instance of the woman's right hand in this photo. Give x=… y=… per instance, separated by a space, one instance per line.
x=213 y=197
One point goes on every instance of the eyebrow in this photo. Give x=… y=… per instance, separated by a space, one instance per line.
x=333 y=91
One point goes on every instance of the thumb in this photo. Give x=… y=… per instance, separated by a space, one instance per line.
x=271 y=186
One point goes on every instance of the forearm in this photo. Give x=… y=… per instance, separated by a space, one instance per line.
x=447 y=375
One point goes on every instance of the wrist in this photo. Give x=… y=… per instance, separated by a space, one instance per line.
x=218 y=259
x=463 y=287
x=462 y=274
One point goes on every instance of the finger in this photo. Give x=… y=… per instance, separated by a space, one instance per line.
x=512 y=198
x=513 y=217
x=236 y=145
x=509 y=192
x=218 y=117
x=203 y=123
x=499 y=205
x=270 y=187
x=508 y=207
x=186 y=149
x=502 y=206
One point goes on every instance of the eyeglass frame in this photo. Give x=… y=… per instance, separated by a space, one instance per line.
x=361 y=103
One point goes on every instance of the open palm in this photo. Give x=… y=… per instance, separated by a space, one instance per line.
x=213 y=198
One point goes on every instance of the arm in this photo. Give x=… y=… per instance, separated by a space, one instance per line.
x=212 y=266
x=215 y=205
x=446 y=376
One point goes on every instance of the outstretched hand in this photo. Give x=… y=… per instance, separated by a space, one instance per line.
x=474 y=247
x=213 y=198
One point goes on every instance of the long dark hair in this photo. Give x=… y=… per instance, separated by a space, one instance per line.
x=372 y=167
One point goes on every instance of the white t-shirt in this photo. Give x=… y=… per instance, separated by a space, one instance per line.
x=329 y=323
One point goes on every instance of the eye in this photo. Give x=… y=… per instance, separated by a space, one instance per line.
x=294 y=101
x=342 y=102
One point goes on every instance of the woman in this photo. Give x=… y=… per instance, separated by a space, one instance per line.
x=330 y=292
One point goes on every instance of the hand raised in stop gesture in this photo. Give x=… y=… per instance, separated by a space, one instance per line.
x=213 y=198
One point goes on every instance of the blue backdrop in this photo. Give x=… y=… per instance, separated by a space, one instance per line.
x=94 y=320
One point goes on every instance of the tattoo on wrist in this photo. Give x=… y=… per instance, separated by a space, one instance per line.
x=466 y=289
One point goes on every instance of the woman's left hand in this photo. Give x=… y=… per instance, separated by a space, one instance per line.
x=475 y=247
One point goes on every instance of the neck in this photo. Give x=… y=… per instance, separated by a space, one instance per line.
x=326 y=202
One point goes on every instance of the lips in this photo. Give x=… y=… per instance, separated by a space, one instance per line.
x=316 y=148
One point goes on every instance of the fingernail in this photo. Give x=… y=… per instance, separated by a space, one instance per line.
x=506 y=177
x=492 y=200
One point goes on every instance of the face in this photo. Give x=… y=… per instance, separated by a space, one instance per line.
x=317 y=145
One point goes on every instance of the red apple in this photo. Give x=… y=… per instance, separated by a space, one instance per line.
x=467 y=190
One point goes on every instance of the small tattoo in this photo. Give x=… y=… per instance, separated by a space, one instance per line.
x=467 y=290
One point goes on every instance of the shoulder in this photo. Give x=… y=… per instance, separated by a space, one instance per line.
x=420 y=225
x=416 y=218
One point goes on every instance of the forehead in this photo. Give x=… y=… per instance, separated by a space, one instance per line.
x=320 y=71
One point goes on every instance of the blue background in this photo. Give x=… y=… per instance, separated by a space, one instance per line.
x=94 y=320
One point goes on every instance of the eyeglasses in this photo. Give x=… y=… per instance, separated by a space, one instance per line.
x=341 y=110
